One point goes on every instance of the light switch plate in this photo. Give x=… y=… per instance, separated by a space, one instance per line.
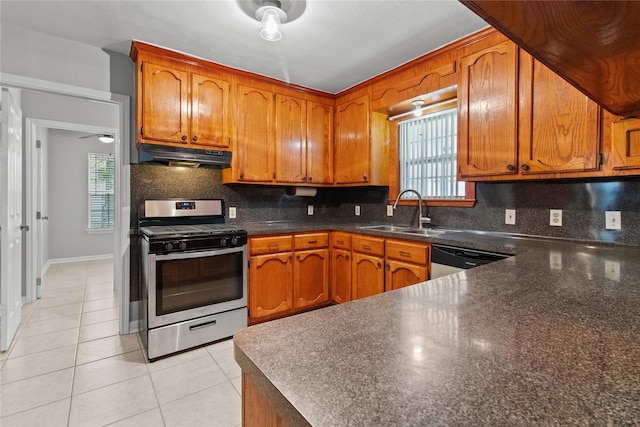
x=510 y=216
x=613 y=220
x=555 y=217
x=309 y=209
x=389 y=210
x=357 y=211
x=232 y=212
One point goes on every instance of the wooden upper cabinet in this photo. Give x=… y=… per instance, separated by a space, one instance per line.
x=209 y=111
x=319 y=155
x=352 y=156
x=290 y=146
x=163 y=115
x=487 y=112
x=559 y=125
x=254 y=142
x=625 y=144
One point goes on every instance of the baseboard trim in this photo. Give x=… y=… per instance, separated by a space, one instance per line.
x=78 y=259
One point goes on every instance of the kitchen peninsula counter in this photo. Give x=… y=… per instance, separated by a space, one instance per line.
x=550 y=336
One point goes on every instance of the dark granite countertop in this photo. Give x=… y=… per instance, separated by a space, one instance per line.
x=548 y=337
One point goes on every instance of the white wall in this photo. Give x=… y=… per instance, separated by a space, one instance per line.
x=68 y=197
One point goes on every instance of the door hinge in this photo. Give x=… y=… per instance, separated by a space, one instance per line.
x=38 y=215
x=38 y=143
x=248 y=263
x=601 y=159
x=274 y=175
x=141 y=132
x=141 y=65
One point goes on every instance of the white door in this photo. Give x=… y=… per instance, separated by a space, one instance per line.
x=10 y=218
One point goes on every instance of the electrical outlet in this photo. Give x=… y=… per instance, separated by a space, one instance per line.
x=309 y=209
x=510 y=216
x=612 y=220
x=357 y=211
x=555 y=260
x=612 y=270
x=389 y=210
x=232 y=212
x=555 y=217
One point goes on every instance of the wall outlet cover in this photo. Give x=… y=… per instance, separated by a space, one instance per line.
x=510 y=216
x=613 y=220
x=309 y=209
x=232 y=212
x=357 y=210
x=389 y=210
x=555 y=217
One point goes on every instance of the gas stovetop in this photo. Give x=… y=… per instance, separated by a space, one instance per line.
x=179 y=230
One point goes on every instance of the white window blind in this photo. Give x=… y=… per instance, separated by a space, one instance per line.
x=101 y=191
x=428 y=152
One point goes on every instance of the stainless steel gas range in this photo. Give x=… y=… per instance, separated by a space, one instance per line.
x=193 y=273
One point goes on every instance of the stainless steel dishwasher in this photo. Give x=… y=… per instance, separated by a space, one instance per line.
x=447 y=260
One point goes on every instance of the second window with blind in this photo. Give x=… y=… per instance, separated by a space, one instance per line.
x=428 y=157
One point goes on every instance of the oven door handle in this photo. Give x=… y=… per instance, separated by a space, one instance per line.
x=200 y=254
x=202 y=325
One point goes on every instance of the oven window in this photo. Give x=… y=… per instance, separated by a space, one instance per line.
x=197 y=282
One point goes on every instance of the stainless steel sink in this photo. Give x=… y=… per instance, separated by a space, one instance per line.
x=408 y=230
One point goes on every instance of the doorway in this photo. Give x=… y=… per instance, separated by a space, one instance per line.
x=122 y=192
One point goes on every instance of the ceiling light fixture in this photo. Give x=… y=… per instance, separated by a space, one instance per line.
x=107 y=139
x=271 y=18
x=418 y=107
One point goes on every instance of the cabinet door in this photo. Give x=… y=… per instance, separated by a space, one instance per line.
x=270 y=285
x=319 y=143
x=559 y=126
x=625 y=144
x=367 y=276
x=209 y=111
x=340 y=275
x=311 y=278
x=255 y=136
x=164 y=115
x=352 y=156
x=401 y=274
x=487 y=111
x=291 y=114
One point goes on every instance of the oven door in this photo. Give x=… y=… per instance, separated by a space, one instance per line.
x=187 y=285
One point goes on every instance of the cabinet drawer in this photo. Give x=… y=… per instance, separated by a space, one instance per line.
x=311 y=241
x=368 y=245
x=268 y=245
x=409 y=252
x=341 y=240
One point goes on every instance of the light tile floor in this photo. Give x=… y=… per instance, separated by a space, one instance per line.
x=68 y=366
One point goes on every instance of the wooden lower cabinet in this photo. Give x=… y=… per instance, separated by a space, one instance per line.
x=367 y=275
x=256 y=409
x=340 y=275
x=311 y=278
x=400 y=274
x=270 y=285
x=287 y=273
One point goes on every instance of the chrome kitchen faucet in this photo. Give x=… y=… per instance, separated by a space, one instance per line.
x=421 y=218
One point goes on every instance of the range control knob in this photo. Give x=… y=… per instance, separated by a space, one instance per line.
x=234 y=241
x=182 y=246
x=223 y=241
x=168 y=246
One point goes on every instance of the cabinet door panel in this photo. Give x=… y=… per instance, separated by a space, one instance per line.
x=401 y=274
x=311 y=278
x=340 y=275
x=255 y=136
x=270 y=285
x=164 y=103
x=625 y=144
x=367 y=276
x=352 y=156
x=209 y=111
x=559 y=129
x=319 y=143
x=291 y=114
x=487 y=108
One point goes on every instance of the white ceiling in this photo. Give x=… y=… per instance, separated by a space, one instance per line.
x=333 y=45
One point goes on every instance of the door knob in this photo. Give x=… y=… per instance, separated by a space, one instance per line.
x=24 y=227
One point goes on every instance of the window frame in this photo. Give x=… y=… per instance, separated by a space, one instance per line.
x=469 y=200
x=91 y=192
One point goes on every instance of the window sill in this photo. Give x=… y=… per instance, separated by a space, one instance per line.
x=100 y=231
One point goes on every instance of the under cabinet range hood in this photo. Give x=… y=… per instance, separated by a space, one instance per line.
x=183 y=156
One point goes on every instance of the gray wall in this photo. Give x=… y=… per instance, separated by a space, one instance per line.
x=68 y=197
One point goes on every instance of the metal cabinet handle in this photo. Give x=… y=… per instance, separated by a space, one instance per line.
x=364 y=177
x=184 y=137
x=525 y=167
x=379 y=265
x=195 y=138
x=405 y=253
x=313 y=241
x=511 y=167
x=367 y=247
x=340 y=242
